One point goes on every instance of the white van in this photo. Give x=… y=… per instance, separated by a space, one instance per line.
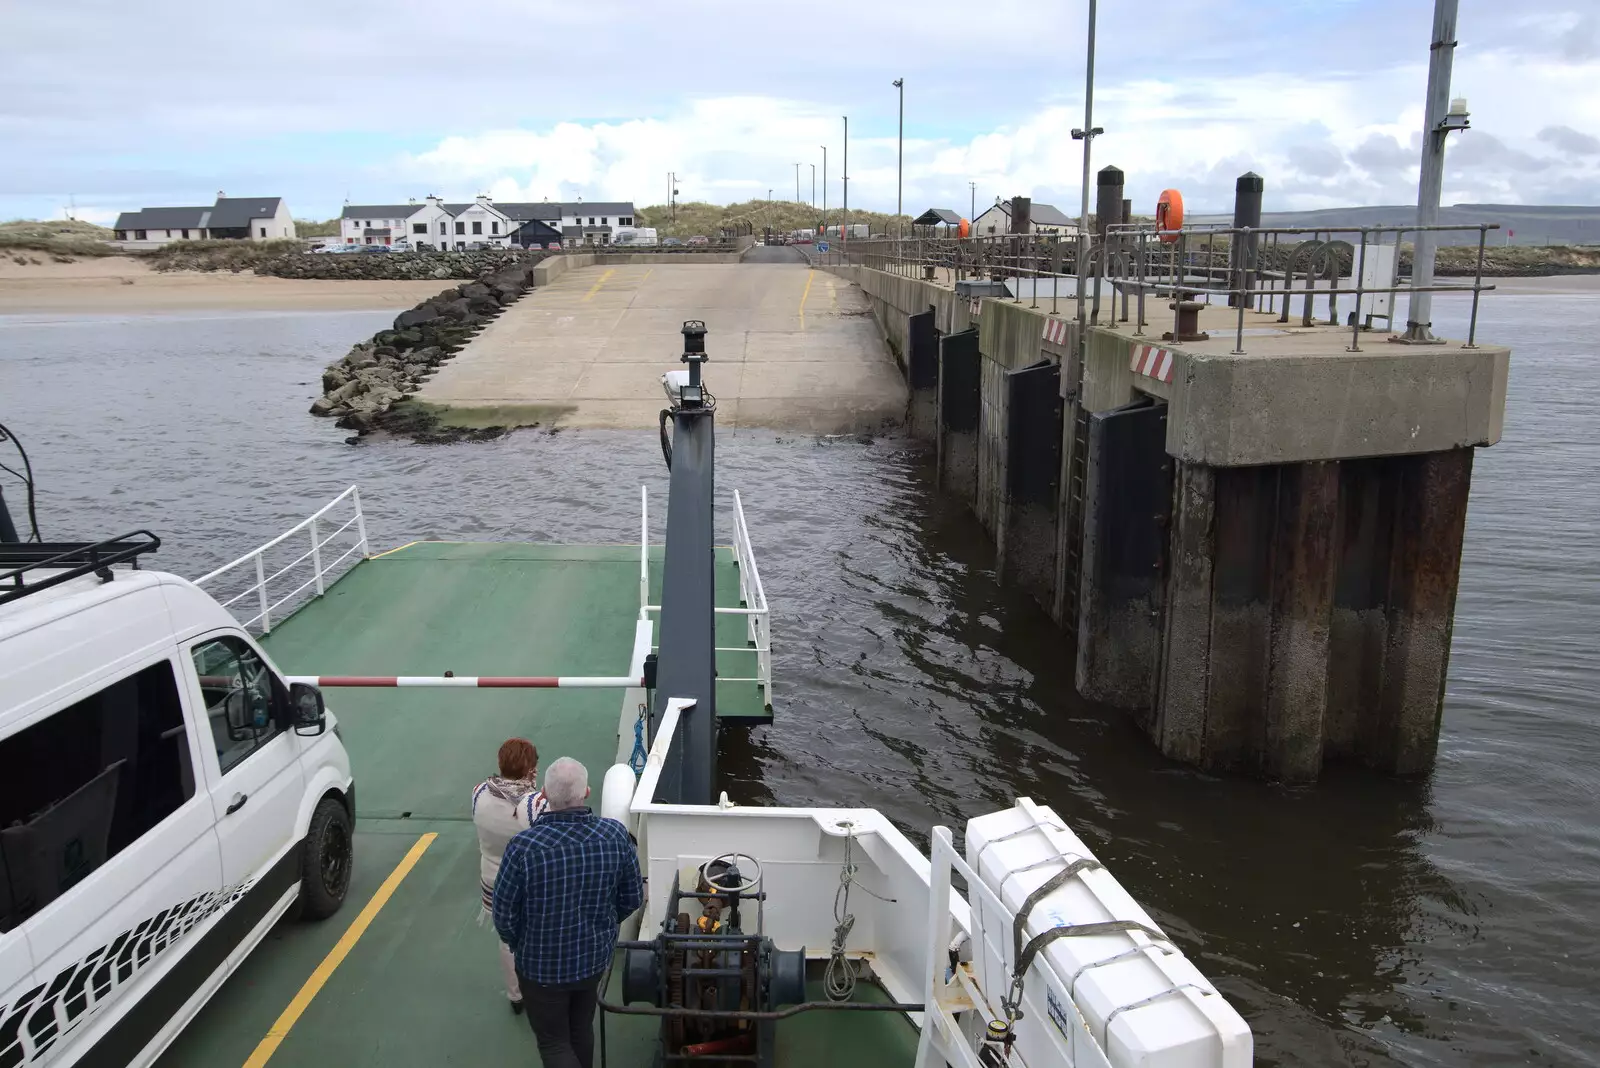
x=638 y=236
x=164 y=798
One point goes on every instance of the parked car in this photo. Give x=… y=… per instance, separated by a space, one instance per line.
x=665 y=241
x=322 y=249
x=699 y=239
x=401 y=245
x=137 y=718
x=374 y=248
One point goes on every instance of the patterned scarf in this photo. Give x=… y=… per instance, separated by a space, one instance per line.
x=509 y=789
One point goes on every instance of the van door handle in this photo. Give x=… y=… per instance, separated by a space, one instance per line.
x=237 y=803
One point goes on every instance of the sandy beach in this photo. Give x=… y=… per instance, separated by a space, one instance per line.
x=122 y=285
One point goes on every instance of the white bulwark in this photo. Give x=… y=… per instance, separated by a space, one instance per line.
x=230 y=218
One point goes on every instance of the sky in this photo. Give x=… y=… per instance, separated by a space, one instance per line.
x=110 y=106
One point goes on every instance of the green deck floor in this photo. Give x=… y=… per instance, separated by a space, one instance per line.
x=421 y=987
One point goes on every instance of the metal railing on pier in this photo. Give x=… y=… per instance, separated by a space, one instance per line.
x=322 y=541
x=1264 y=269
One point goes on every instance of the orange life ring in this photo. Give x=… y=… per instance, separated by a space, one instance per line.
x=1169 y=213
x=963 y=228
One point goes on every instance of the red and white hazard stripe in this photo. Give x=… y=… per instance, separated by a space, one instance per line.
x=972 y=306
x=1055 y=331
x=481 y=682
x=1152 y=362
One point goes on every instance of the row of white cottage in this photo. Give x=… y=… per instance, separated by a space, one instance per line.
x=435 y=224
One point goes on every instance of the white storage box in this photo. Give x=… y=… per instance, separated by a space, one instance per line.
x=1162 y=1012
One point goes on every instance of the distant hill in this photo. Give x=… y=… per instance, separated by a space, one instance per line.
x=1520 y=224
x=697 y=217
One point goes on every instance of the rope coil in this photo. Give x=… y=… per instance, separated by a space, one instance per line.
x=839 y=980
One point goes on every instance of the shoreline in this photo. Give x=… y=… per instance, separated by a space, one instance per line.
x=122 y=285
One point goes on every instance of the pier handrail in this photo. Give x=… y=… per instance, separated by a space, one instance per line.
x=1243 y=267
x=319 y=570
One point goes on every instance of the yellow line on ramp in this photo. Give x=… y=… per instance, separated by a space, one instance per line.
x=286 y=1020
x=603 y=279
x=810 y=275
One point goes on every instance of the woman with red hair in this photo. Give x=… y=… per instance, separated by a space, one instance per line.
x=502 y=806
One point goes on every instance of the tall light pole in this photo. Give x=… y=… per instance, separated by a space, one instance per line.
x=813 y=187
x=1087 y=136
x=844 y=234
x=900 y=157
x=972 y=212
x=797 y=183
x=824 y=190
x=1440 y=117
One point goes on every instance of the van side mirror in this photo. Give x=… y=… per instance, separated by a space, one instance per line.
x=310 y=714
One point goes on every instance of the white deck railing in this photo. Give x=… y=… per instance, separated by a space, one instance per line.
x=752 y=595
x=353 y=530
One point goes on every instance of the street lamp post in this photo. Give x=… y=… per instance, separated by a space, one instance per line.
x=824 y=190
x=972 y=212
x=1441 y=116
x=844 y=234
x=1087 y=136
x=797 y=183
x=813 y=187
x=900 y=157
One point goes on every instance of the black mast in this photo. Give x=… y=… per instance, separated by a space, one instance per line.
x=688 y=659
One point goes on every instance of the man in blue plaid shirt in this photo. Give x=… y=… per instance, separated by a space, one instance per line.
x=565 y=885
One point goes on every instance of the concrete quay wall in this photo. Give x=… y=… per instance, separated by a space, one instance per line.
x=1255 y=554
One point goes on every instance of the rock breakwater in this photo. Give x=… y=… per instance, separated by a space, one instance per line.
x=399 y=266
x=360 y=388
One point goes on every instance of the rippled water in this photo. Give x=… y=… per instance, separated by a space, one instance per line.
x=1363 y=921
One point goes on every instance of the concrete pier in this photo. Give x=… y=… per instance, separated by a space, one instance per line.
x=1254 y=553
x=790 y=348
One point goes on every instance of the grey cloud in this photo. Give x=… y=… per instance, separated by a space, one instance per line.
x=1486 y=152
x=1380 y=154
x=1316 y=161
x=1571 y=141
x=1578 y=43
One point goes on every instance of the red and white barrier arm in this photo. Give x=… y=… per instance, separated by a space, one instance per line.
x=481 y=682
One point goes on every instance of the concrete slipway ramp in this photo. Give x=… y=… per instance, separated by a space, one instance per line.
x=791 y=348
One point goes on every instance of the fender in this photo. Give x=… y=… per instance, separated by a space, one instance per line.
x=327 y=768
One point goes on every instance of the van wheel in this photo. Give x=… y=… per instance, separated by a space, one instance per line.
x=327 y=856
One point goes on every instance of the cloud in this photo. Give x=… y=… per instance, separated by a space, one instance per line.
x=1382 y=155
x=1570 y=141
x=1323 y=116
x=1578 y=41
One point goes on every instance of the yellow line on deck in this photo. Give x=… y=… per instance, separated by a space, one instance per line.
x=809 y=276
x=286 y=1020
x=609 y=271
x=396 y=549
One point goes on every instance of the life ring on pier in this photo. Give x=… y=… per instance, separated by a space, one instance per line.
x=1169 y=213
x=963 y=228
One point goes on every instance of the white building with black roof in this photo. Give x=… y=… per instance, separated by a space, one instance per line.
x=485 y=221
x=229 y=218
x=1042 y=219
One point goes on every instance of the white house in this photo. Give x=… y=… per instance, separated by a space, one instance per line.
x=1043 y=219
x=478 y=222
x=594 y=224
x=230 y=218
x=460 y=226
x=427 y=222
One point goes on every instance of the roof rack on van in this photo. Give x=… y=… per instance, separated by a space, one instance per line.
x=67 y=560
